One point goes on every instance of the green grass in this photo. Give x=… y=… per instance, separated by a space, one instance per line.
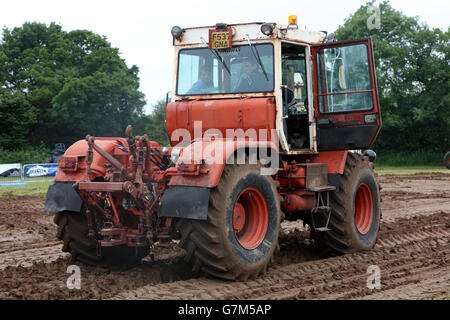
x=400 y=171
x=411 y=163
x=9 y=179
x=417 y=159
x=30 y=189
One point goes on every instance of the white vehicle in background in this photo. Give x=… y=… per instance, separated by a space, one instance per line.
x=10 y=170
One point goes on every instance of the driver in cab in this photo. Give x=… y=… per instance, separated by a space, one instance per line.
x=204 y=82
x=253 y=79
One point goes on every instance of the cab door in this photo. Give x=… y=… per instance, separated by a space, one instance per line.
x=345 y=95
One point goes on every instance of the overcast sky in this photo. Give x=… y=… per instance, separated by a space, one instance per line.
x=141 y=29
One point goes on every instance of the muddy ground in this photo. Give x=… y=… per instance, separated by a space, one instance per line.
x=412 y=254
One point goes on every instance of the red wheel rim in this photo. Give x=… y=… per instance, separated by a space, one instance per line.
x=363 y=208
x=250 y=218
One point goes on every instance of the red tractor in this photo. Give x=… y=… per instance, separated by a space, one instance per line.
x=266 y=123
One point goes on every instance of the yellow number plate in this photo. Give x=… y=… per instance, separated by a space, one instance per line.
x=220 y=40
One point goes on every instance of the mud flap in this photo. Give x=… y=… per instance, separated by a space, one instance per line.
x=185 y=202
x=62 y=197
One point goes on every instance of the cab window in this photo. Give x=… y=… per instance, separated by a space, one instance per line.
x=240 y=69
x=344 y=80
x=294 y=70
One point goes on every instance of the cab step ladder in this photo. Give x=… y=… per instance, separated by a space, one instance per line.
x=321 y=205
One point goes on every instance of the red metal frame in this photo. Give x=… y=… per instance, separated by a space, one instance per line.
x=100 y=186
x=349 y=92
x=221 y=115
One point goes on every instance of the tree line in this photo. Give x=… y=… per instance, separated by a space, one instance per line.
x=58 y=86
x=413 y=76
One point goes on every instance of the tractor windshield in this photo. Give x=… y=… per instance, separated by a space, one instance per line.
x=201 y=72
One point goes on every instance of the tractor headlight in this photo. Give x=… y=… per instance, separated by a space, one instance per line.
x=267 y=29
x=176 y=32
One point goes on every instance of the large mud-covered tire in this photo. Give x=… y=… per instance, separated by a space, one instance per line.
x=355 y=210
x=240 y=235
x=447 y=160
x=73 y=230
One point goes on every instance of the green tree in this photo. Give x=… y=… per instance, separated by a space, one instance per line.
x=17 y=117
x=154 y=125
x=413 y=76
x=58 y=86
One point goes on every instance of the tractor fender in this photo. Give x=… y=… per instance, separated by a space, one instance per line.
x=187 y=196
x=335 y=161
x=213 y=156
x=62 y=197
x=185 y=202
x=79 y=149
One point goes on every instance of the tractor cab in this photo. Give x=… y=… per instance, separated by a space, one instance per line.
x=316 y=93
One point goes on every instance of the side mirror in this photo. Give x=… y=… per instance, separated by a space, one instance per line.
x=167 y=97
x=298 y=84
x=298 y=80
x=370 y=154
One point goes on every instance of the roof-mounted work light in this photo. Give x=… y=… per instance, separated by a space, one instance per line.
x=267 y=29
x=176 y=32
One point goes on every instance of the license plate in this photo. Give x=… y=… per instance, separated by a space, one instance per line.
x=220 y=40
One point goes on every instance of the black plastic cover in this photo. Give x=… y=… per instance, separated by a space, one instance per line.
x=62 y=197
x=185 y=202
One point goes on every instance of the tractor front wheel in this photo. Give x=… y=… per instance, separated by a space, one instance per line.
x=240 y=235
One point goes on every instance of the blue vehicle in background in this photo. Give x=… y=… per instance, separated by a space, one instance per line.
x=60 y=149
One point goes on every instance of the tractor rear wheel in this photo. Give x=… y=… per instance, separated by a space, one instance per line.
x=240 y=235
x=355 y=210
x=73 y=230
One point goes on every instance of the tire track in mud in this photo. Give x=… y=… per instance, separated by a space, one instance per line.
x=414 y=195
x=412 y=253
x=352 y=281
x=403 y=256
x=424 y=242
x=25 y=257
x=21 y=247
x=435 y=283
x=299 y=281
